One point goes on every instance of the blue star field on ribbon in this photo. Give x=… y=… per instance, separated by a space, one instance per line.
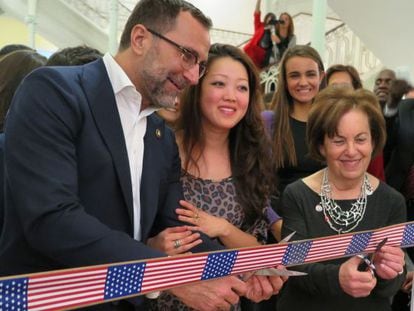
x=296 y=253
x=408 y=236
x=13 y=294
x=219 y=265
x=124 y=280
x=358 y=243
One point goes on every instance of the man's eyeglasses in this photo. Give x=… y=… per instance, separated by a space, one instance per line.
x=189 y=58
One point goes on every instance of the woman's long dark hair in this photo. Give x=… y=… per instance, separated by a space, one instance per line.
x=250 y=152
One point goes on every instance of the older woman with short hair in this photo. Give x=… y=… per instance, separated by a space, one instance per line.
x=345 y=127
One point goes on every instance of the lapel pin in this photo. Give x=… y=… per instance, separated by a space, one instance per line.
x=158 y=133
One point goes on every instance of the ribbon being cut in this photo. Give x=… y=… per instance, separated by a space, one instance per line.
x=73 y=288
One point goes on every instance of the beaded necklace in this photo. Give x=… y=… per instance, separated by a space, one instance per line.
x=339 y=220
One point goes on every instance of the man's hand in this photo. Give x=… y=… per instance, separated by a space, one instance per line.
x=175 y=240
x=263 y=287
x=212 y=295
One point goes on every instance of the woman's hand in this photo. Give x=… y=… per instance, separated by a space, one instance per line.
x=353 y=282
x=213 y=226
x=275 y=38
x=389 y=262
x=175 y=240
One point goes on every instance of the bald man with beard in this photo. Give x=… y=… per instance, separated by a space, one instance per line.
x=381 y=90
x=383 y=84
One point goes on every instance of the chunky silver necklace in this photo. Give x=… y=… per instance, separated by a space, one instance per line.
x=339 y=220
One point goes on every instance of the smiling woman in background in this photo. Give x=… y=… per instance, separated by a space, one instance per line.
x=301 y=74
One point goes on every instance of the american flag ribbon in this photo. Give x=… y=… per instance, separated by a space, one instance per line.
x=80 y=287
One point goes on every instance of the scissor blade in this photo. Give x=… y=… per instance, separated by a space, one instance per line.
x=380 y=244
x=279 y=272
x=287 y=238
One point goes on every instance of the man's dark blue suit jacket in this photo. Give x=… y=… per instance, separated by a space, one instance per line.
x=68 y=185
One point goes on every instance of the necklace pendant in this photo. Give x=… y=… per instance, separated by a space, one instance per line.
x=340 y=220
x=318 y=208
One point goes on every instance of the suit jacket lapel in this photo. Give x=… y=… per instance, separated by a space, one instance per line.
x=151 y=172
x=99 y=92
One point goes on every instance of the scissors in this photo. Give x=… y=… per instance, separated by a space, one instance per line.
x=274 y=271
x=369 y=259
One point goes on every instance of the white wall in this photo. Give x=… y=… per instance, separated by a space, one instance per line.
x=386 y=28
x=235 y=15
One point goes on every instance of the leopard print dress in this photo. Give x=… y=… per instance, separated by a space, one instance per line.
x=218 y=198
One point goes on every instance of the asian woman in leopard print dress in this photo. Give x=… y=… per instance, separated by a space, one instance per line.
x=227 y=174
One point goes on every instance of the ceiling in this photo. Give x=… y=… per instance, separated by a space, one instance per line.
x=237 y=15
x=384 y=26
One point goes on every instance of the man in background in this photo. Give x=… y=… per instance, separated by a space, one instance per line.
x=74 y=56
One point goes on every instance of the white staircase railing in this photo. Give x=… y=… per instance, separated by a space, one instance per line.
x=97 y=11
x=268 y=79
x=342 y=45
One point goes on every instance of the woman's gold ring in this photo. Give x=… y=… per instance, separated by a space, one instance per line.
x=196 y=217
